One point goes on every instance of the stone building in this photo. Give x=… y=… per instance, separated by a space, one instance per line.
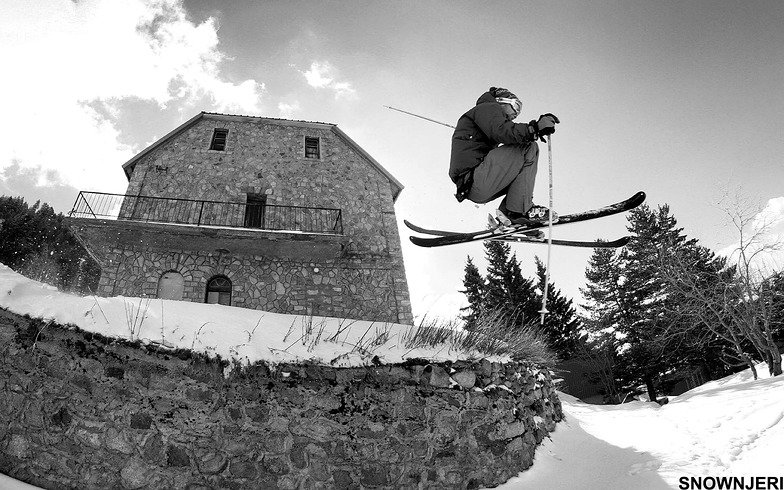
x=271 y=214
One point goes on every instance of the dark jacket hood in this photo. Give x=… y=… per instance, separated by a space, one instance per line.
x=485 y=98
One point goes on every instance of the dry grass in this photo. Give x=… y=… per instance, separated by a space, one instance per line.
x=494 y=335
x=136 y=314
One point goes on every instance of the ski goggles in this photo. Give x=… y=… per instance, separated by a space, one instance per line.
x=517 y=106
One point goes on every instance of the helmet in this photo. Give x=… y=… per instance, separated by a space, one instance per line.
x=504 y=96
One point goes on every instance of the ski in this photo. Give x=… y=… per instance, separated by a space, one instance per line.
x=492 y=223
x=442 y=238
x=620 y=242
x=536 y=236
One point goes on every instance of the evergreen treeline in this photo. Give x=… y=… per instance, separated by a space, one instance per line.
x=659 y=310
x=506 y=293
x=36 y=242
x=665 y=306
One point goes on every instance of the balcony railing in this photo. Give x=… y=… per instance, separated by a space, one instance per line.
x=251 y=215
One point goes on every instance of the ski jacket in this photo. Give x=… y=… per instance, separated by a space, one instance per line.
x=480 y=130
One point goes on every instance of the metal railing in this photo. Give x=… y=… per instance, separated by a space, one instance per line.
x=252 y=215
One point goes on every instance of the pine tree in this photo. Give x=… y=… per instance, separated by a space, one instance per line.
x=561 y=323
x=15 y=241
x=629 y=295
x=507 y=290
x=605 y=306
x=475 y=290
x=497 y=291
x=648 y=355
x=507 y=293
x=504 y=291
x=604 y=292
x=37 y=241
x=777 y=306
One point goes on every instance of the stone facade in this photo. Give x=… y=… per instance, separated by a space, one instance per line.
x=81 y=412
x=345 y=288
x=361 y=273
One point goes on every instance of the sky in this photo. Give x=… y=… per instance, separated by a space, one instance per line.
x=680 y=99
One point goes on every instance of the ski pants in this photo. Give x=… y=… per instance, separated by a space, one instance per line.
x=510 y=171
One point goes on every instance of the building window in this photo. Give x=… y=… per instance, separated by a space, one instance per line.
x=219 y=291
x=312 y=148
x=171 y=285
x=219 y=139
x=255 y=211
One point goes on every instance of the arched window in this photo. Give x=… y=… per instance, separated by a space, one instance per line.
x=171 y=285
x=219 y=291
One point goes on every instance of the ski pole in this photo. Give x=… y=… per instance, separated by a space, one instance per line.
x=420 y=117
x=549 y=231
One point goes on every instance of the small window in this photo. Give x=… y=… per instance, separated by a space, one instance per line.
x=312 y=149
x=219 y=291
x=219 y=139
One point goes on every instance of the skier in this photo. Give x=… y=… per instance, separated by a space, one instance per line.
x=493 y=157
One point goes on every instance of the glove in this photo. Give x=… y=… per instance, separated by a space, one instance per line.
x=545 y=126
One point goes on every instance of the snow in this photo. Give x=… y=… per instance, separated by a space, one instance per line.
x=241 y=334
x=8 y=483
x=731 y=427
x=727 y=428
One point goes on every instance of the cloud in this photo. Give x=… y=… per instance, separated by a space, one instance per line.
x=764 y=239
x=771 y=218
x=343 y=89
x=319 y=74
x=322 y=75
x=18 y=182
x=287 y=110
x=68 y=56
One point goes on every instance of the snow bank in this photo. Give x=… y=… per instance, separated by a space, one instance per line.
x=242 y=334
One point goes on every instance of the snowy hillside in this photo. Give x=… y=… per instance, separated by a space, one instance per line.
x=728 y=428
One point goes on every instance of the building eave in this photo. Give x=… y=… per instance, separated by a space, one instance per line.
x=130 y=164
x=397 y=186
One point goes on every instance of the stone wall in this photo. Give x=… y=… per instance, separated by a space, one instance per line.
x=337 y=287
x=81 y=412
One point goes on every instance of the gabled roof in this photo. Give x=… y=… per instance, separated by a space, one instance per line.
x=128 y=166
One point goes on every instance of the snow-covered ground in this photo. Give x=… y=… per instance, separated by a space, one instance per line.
x=727 y=428
x=233 y=333
x=733 y=427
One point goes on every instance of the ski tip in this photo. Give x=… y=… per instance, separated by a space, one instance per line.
x=429 y=242
x=411 y=226
x=618 y=243
x=639 y=198
x=418 y=241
